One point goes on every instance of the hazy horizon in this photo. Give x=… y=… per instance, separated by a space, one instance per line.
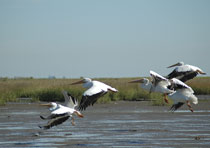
x=102 y=39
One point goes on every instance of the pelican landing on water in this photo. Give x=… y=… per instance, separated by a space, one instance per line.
x=157 y=84
x=95 y=90
x=61 y=113
x=184 y=72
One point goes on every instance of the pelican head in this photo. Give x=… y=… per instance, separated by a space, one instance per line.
x=52 y=105
x=177 y=64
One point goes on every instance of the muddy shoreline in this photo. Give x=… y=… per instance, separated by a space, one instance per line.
x=117 y=124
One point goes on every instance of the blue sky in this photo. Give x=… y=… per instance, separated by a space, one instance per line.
x=102 y=38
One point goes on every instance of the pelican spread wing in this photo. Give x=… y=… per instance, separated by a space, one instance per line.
x=90 y=96
x=158 y=80
x=182 y=75
x=177 y=84
x=176 y=106
x=70 y=101
x=56 y=120
x=51 y=116
x=156 y=77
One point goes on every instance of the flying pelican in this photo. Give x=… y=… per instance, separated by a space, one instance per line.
x=184 y=72
x=157 y=84
x=183 y=93
x=61 y=113
x=95 y=89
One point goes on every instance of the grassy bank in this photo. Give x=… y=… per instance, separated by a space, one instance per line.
x=50 y=89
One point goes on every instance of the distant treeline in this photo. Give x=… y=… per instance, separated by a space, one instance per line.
x=50 y=89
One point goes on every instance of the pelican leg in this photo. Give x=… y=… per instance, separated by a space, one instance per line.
x=72 y=121
x=189 y=105
x=165 y=98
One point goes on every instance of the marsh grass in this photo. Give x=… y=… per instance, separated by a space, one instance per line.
x=200 y=85
x=50 y=90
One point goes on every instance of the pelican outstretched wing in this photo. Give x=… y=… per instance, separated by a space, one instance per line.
x=182 y=75
x=90 y=96
x=177 y=84
x=70 y=101
x=176 y=106
x=56 y=121
x=156 y=77
x=51 y=116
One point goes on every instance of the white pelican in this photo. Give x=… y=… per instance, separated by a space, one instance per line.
x=95 y=89
x=184 y=72
x=183 y=93
x=61 y=113
x=157 y=84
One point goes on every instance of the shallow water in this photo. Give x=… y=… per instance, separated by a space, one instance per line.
x=117 y=125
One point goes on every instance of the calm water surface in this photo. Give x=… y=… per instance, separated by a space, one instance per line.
x=120 y=124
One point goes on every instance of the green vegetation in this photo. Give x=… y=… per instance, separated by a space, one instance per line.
x=50 y=89
x=200 y=85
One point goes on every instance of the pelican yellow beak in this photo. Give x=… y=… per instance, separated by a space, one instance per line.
x=177 y=64
x=78 y=82
x=201 y=72
x=48 y=105
x=137 y=81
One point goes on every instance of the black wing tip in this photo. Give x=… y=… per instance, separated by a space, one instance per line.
x=83 y=103
x=44 y=127
x=55 y=120
x=188 y=76
x=176 y=106
x=182 y=76
x=43 y=118
x=89 y=100
x=82 y=107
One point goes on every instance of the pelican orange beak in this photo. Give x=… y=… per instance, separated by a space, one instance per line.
x=48 y=105
x=78 y=114
x=177 y=64
x=78 y=82
x=201 y=72
x=137 y=81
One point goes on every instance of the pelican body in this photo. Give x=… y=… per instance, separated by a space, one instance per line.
x=184 y=72
x=61 y=113
x=183 y=93
x=95 y=90
x=157 y=84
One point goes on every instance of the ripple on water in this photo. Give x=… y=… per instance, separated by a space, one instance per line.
x=147 y=129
